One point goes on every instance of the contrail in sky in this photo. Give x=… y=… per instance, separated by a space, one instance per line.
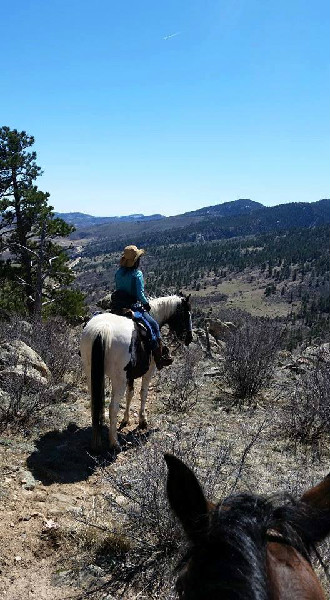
x=167 y=37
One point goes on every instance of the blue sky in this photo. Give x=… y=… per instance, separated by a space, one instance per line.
x=236 y=105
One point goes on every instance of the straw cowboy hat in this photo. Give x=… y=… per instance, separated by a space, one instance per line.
x=130 y=256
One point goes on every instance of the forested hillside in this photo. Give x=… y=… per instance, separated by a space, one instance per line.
x=189 y=228
x=289 y=270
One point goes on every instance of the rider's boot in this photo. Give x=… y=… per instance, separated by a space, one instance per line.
x=162 y=356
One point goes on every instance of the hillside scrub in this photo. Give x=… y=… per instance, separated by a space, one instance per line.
x=39 y=366
x=306 y=413
x=179 y=386
x=249 y=357
x=147 y=541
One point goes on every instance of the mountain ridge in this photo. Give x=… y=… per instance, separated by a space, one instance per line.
x=240 y=206
x=79 y=219
x=196 y=228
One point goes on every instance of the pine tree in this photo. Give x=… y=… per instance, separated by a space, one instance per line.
x=32 y=266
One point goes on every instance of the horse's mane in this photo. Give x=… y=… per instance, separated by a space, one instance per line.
x=165 y=306
x=234 y=551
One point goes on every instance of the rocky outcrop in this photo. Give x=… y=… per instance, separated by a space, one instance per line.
x=19 y=362
x=307 y=359
x=105 y=302
x=220 y=329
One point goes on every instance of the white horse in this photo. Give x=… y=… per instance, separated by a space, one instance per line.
x=108 y=346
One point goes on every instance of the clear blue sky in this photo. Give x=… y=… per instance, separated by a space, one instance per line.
x=236 y=105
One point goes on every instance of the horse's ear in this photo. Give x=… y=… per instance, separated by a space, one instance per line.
x=318 y=519
x=186 y=498
x=185 y=297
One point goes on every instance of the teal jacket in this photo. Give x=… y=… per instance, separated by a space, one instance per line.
x=132 y=282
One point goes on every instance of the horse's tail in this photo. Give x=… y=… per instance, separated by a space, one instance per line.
x=97 y=388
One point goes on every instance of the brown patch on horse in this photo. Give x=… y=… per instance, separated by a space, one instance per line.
x=290 y=574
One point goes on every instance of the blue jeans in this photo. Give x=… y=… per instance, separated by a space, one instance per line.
x=153 y=324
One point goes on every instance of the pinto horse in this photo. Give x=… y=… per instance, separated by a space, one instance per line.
x=247 y=547
x=108 y=346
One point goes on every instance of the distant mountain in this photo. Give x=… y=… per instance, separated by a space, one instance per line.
x=227 y=209
x=79 y=219
x=197 y=227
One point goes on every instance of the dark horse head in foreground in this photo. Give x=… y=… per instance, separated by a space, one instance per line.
x=247 y=547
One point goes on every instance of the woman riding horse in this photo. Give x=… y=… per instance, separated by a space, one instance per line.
x=130 y=294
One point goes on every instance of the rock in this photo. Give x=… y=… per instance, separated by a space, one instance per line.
x=219 y=329
x=19 y=363
x=295 y=368
x=40 y=496
x=28 y=481
x=95 y=570
x=62 y=498
x=21 y=353
x=105 y=302
x=213 y=373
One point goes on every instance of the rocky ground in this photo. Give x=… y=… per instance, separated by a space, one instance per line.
x=53 y=505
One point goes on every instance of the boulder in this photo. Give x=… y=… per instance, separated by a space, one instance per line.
x=105 y=302
x=18 y=361
x=220 y=329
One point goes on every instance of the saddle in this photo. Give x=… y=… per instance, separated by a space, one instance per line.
x=125 y=305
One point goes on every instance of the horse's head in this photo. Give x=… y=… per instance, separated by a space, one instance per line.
x=247 y=547
x=180 y=322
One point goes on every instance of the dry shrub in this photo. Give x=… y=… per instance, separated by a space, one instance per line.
x=249 y=357
x=306 y=416
x=139 y=510
x=25 y=400
x=21 y=401
x=179 y=387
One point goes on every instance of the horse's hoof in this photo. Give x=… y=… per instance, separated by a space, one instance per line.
x=143 y=424
x=124 y=423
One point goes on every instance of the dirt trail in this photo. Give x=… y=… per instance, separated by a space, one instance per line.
x=34 y=561
x=41 y=485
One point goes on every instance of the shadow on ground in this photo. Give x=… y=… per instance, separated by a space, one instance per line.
x=65 y=456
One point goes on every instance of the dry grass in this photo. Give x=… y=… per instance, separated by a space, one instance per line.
x=306 y=414
x=179 y=385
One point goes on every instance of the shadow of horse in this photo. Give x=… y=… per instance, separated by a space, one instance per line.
x=65 y=456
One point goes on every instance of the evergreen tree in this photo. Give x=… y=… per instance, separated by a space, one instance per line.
x=33 y=266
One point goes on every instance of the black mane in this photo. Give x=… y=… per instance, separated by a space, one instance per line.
x=230 y=560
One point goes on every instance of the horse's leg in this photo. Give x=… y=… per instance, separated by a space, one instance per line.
x=143 y=395
x=129 y=396
x=117 y=393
